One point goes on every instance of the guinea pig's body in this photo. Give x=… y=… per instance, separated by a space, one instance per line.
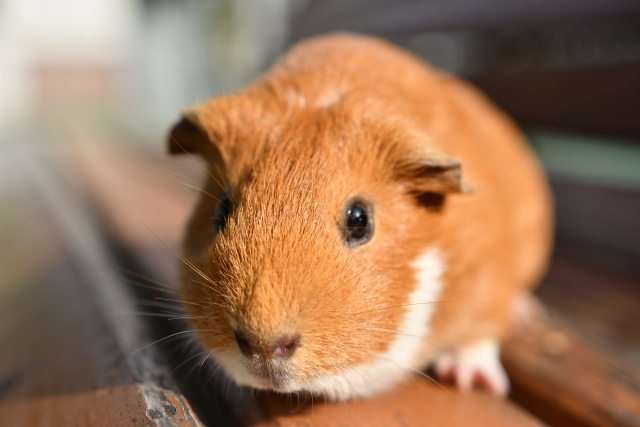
x=454 y=224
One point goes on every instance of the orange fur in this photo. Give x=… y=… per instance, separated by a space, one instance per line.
x=343 y=116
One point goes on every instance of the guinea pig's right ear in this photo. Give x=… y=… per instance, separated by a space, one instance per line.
x=429 y=170
x=186 y=137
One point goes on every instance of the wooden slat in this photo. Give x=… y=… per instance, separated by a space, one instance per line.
x=418 y=403
x=592 y=377
x=567 y=382
x=587 y=99
x=599 y=224
x=600 y=303
x=66 y=344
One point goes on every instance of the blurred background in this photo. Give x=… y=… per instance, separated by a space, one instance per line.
x=88 y=90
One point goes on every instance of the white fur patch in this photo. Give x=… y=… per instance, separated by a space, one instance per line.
x=400 y=359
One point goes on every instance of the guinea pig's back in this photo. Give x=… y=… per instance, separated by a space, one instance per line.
x=515 y=182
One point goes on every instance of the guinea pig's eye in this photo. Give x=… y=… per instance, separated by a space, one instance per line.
x=223 y=210
x=359 y=223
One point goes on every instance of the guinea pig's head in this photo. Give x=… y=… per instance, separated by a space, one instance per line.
x=308 y=262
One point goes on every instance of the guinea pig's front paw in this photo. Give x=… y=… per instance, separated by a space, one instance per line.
x=478 y=364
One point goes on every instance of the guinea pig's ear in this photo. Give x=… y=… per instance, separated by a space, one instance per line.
x=186 y=137
x=431 y=171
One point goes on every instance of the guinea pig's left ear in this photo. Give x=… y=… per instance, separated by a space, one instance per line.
x=199 y=129
x=186 y=137
x=431 y=171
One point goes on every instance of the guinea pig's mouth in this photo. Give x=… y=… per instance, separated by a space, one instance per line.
x=259 y=373
x=285 y=377
x=268 y=376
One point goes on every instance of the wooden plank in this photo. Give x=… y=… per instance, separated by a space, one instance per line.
x=598 y=302
x=418 y=403
x=114 y=406
x=599 y=224
x=568 y=382
x=66 y=349
x=592 y=378
x=588 y=99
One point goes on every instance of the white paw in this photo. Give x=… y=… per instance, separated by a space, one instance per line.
x=474 y=365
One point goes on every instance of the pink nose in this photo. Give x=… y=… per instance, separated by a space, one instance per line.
x=282 y=348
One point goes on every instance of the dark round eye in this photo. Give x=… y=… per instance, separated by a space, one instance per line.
x=359 y=224
x=223 y=210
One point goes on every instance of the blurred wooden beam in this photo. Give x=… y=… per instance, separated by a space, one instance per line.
x=568 y=382
x=71 y=353
x=600 y=99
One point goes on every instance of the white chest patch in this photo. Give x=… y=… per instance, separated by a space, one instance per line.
x=399 y=360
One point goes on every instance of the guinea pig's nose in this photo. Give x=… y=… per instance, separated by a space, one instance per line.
x=282 y=348
x=243 y=344
x=285 y=346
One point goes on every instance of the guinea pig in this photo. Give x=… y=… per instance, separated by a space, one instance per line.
x=364 y=217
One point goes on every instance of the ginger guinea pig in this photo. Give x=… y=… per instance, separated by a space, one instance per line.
x=364 y=217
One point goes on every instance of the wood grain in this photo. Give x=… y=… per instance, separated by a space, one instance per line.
x=418 y=403
x=568 y=382
x=66 y=345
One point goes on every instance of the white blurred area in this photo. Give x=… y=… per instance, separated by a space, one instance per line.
x=132 y=64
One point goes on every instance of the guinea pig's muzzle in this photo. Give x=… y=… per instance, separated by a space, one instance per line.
x=268 y=361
